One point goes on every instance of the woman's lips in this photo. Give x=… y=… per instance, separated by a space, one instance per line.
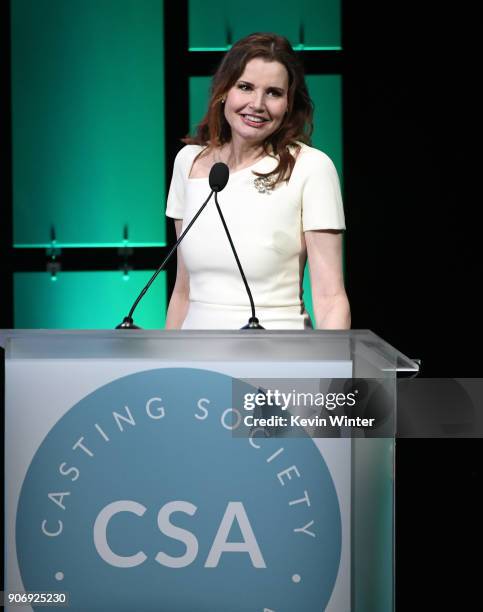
x=254 y=123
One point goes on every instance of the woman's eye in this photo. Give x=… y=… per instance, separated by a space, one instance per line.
x=271 y=92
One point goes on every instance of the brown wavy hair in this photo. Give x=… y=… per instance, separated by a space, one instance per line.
x=214 y=129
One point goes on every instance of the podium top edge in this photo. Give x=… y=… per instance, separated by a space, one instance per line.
x=39 y=334
x=360 y=345
x=161 y=332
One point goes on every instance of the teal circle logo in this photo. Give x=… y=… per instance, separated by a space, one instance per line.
x=142 y=498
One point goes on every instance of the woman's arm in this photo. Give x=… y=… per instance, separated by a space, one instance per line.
x=329 y=299
x=178 y=304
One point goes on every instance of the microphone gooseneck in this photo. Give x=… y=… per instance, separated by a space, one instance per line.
x=218 y=179
x=253 y=322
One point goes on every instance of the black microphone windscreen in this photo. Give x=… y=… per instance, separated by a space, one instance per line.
x=219 y=175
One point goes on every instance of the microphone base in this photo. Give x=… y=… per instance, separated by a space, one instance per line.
x=127 y=323
x=253 y=323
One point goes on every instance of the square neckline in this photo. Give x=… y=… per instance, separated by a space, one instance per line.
x=204 y=178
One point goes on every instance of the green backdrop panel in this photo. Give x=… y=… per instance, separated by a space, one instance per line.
x=308 y=24
x=326 y=93
x=307 y=294
x=87 y=300
x=88 y=122
x=199 y=92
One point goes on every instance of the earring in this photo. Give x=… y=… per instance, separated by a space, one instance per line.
x=223 y=100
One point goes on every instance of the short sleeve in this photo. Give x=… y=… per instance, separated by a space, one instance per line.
x=322 y=206
x=176 y=193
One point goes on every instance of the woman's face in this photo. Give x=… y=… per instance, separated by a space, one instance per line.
x=255 y=106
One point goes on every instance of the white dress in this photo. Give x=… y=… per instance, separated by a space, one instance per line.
x=267 y=230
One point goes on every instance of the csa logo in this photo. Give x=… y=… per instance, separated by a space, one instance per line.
x=141 y=498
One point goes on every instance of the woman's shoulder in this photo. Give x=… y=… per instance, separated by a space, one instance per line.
x=187 y=153
x=310 y=156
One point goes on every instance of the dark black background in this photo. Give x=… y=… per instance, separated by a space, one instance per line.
x=413 y=259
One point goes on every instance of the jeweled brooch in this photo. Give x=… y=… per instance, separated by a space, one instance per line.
x=264 y=184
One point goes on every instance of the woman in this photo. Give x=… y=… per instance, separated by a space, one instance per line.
x=282 y=203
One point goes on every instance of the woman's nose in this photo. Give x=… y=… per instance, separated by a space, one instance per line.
x=257 y=101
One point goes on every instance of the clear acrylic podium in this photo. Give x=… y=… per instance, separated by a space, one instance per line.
x=127 y=487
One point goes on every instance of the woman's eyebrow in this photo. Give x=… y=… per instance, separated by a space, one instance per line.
x=269 y=87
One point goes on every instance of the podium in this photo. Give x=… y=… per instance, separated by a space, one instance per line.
x=143 y=472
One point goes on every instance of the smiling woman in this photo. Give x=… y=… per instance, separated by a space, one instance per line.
x=256 y=105
x=258 y=122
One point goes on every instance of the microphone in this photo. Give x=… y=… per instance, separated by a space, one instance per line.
x=218 y=179
x=219 y=175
